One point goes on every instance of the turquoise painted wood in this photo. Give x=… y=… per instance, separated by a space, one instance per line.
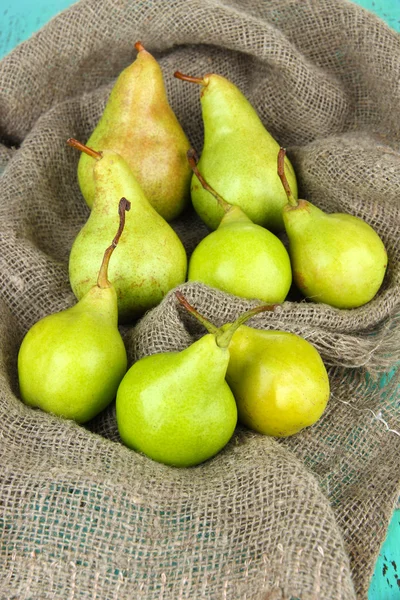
x=388 y=10
x=385 y=584
x=19 y=19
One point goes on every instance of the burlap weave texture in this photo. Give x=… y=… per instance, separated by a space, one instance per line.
x=83 y=516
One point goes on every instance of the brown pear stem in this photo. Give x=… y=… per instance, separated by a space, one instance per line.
x=192 y=158
x=281 y=172
x=79 y=146
x=189 y=78
x=102 y=280
x=209 y=326
x=139 y=46
x=224 y=338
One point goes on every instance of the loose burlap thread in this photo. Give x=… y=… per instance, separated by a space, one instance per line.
x=85 y=517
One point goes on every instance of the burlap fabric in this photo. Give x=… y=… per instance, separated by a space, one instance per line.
x=83 y=516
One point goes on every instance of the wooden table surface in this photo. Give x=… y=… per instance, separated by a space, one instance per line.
x=19 y=19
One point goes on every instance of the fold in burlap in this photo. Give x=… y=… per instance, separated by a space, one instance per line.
x=84 y=517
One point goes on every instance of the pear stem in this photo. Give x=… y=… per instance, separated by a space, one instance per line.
x=223 y=339
x=192 y=158
x=79 y=146
x=209 y=326
x=102 y=280
x=281 y=172
x=189 y=78
x=139 y=46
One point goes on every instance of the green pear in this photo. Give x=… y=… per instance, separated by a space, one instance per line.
x=278 y=379
x=150 y=259
x=240 y=257
x=336 y=258
x=139 y=124
x=176 y=407
x=238 y=158
x=71 y=363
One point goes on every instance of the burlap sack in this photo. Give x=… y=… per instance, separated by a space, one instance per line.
x=83 y=516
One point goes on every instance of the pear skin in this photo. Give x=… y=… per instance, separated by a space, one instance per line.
x=336 y=258
x=176 y=407
x=238 y=157
x=239 y=257
x=139 y=124
x=243 y=259
x=71 y=363
x=278 y=379
x=150 y=258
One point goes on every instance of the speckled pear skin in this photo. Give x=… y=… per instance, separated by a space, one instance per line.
x=336 y=258
x=243 y=259
x=149 y=259
x=71 y=363
x=177 y=407
x=278 y=379
x=139 y=124
x=238 y=159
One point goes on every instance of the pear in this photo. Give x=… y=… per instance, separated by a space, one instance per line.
x=70 y=363
x=139 y=124
x=279 y=380
x=240 y=257
x=336 y=258
x=238 y=157
x=176 y=407
x=150 y=260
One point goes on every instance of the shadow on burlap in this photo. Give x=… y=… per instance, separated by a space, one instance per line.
x=84 y=517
